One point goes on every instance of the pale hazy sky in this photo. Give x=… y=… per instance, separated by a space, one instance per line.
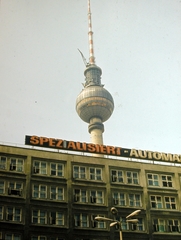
x=137 y=45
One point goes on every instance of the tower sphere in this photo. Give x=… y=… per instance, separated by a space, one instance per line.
x=94 y=100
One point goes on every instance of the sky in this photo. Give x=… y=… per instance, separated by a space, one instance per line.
x=137 y=44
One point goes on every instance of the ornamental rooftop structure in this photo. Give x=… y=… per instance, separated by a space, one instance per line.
x=94 y=104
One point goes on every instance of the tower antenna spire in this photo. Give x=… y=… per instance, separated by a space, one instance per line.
x=90 y=34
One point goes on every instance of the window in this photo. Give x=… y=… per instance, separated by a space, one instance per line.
x=140 y=224
x=1 y=213
x=57 y=169
x=16 y=164
x=160 y=180
x=125 y=225
x=166 y=181
x=3 y=162
x=15 y=188
x=79 y=172
x=40 y=167
x=12 y=236
x=57 y=218
x=80 y=195
x=170 y=203
x=117 y=176
x=173 y=225
x=56 y=193
x=95 y=173
x=1 y=187
x=81 y=220
x=159 y=225
x=97 y=197
x=134 y=200
x=56 y=238
x=132 y=177
x=13 y=214
x=38 y=238
x=153 y=180
x=39 y=217
x=39 y=191
x=97 y=224
x=119 y=199
x=156 y=202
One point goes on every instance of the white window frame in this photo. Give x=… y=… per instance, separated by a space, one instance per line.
x=3 y=163
x=78 y=173
x=95 y=174
x=16 y=164
x=117 y=176
x=40 y=237
x=167 y=182
x=81 y=220
x=156 y=201
x=38 y=168
x=97 y=196
x=80 y=195
x=39 y=217
x=119 y=198
x=98 y=224
x=171 y=203
x=55 y=217
x=136 y=202
x=39 y=191
x=134 y=180
x=174 y=227
x=1 y=212
x=58 y=197
x=57 y=172
x=159 y=224
x=11 y=211
x=2 y=183
x=13 y=235
x=153 y=180
x=14 y=189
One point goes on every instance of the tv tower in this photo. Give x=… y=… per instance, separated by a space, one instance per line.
x=94 y=104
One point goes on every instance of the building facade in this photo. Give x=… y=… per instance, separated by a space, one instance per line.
x=51 y=195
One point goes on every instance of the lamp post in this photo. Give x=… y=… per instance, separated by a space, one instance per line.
x=119 y=223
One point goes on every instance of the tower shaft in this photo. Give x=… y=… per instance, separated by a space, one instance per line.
x=96 y=129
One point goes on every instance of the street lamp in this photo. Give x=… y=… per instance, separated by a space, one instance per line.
x=115 y=222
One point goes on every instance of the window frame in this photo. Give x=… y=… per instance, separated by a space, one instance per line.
x=11 y=211
x=56 y=170
x=3 y=166
x=15 y=165
x=56 y=193
x=39 y=191
x=39 y=217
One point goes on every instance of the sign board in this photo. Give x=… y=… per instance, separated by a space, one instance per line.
x=99 y=149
